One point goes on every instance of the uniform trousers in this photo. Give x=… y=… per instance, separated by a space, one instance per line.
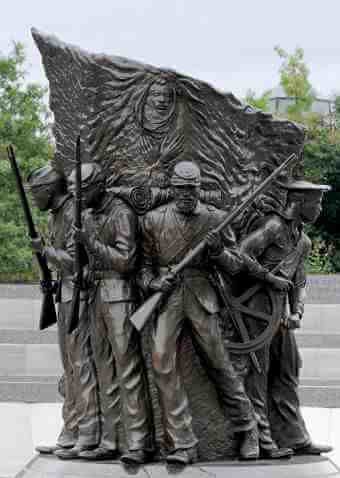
x=81 y=407
x=288 y=425
x=182 y=307
x=121 y=374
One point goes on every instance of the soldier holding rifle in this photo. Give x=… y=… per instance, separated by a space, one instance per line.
x=109 y=236
x=80 y=409
x=168 y=234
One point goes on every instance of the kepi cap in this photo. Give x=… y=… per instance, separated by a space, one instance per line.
x=43 y=177
x=91 y=173
x=186 y=173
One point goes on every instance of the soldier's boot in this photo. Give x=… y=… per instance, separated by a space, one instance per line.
x=50 y=449
x=67 y=439
x=72 y=453
x=136 y=457
x=249 y=448
x=275 y=453
x=182 y=456
x=100 y=453
x=312 y=449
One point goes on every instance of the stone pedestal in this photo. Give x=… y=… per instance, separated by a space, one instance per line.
x=297 y=467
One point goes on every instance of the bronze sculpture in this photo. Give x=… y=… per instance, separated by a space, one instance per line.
x=80 y=409
x=167 y=234
x=141 y=127
x=110 y=241
x=278 y=238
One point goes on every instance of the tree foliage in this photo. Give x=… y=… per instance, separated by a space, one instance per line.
x=322 y=164
x=294 y=80
x=321 y=156
x=23 y=123
x=260 y=102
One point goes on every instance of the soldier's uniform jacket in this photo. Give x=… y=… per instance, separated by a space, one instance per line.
x=277 y=239
x=58 y=252
x=167 y=236
x=112 y=255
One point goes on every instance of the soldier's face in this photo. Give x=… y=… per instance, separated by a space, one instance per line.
x=311 y=208
x=42 y=196
x=186 y=198
x=90 y=194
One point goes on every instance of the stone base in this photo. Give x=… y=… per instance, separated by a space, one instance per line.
x=297 y=467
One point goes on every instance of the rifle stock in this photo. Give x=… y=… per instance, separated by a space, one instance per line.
x=141 y=316
x=48 y=314
x=75 y=308
x=75 y=305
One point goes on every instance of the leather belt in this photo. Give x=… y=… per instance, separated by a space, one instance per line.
x=186 y=272
x=109 y=274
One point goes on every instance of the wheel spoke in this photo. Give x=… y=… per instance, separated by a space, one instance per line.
x=257 y=315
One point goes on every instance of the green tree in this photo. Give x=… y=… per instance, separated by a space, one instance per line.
x=337 y=112
x=322 y=165
x=23 y=123
x=260 y=102
x=294 y=75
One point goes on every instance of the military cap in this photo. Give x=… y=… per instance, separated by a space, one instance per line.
x=299 y=185
x=186 y=173
x=43 y=176
x=91 y=173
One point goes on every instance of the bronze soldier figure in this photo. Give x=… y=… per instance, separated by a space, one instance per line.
x=109 y=236
x=168 y=232
x=81 y=428
x=278 y=238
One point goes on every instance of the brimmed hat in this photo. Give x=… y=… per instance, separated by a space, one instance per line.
x=299 y=185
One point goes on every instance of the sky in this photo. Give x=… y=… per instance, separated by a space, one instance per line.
x=229 y=44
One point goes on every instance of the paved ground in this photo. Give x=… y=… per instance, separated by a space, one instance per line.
x=24 y=426
x=300 y=467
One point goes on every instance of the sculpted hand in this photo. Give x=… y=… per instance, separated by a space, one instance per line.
x=37 y=245
x=214 y=242
x=294 y=322
x=279 y=282
x=163 y=284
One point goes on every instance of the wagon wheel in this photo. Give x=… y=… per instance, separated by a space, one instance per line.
x=270 y=322
x=237 y=309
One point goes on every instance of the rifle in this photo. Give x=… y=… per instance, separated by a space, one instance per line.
x=78 y=269
x=140 y=317
x=48 y=314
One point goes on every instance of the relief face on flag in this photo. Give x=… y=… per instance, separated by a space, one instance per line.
x=179 y=259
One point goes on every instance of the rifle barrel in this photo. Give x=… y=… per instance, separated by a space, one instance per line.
x=78 y=269
x=47 y=314
x=239 y=209
x=27 y=212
